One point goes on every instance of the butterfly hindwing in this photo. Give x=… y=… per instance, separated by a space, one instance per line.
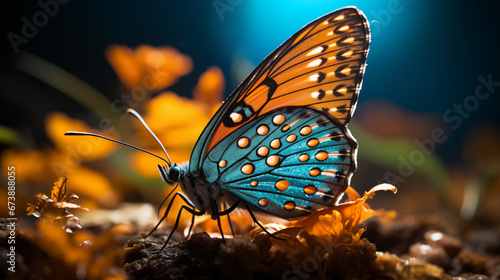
x=288 y=162
x=320 y=67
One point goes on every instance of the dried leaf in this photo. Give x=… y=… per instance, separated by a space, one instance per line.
x=58 y=189
x=55 y=208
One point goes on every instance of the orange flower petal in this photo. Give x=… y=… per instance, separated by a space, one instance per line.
x=210 y=87
x=328 y=226
x=126 y=67
x=82 y=148
x=92 y=185
x=170 y=110
x=351 y=193
x=151 y=68
x=347 y=216
x=31 y=165
x=178 y=123
x=171 y=116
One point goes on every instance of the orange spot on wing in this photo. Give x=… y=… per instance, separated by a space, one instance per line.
x=243 y=142
x=321 y=156
x=282 y=185
x=247 y=169
x=263 y=202
x=290 y=205
x=263 y=151
x=310 y=190
x=273 y=160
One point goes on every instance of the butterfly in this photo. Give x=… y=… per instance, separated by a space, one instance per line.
x=279 y=145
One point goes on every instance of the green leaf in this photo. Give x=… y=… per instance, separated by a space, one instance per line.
x=8 y=136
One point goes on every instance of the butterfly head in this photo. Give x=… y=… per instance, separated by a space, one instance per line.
x=170 y=175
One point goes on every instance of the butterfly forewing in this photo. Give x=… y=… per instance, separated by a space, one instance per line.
x=321 y=67
x=324 y=68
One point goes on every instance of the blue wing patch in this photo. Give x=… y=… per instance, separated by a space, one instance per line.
x=288 y=162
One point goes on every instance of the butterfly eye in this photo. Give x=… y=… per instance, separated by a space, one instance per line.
x=175 y=173
x=170 y=175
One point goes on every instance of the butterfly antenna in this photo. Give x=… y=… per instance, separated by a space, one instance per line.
x=135 y=114
x=79 y=133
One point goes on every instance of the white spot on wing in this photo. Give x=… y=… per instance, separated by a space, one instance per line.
x=315 y=51
x=314 y=63
x=341 y=17
x=236 y=117
x=344 y=28
x=313 y=77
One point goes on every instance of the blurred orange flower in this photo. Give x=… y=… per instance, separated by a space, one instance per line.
x=41 y=166
x=152 y=68
x=85 y=148
x=210 y=88
x=241 y=222
x=31 y=164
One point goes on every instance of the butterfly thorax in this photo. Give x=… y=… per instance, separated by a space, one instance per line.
x=204 y=195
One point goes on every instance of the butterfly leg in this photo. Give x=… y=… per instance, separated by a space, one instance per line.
x=168 y=210
x=230 y=225
x=194 y=212
x=191 y=226
x=220 y=227
x=231 y=209
x=229 y=221
x=164 y=200
x=216 y=216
